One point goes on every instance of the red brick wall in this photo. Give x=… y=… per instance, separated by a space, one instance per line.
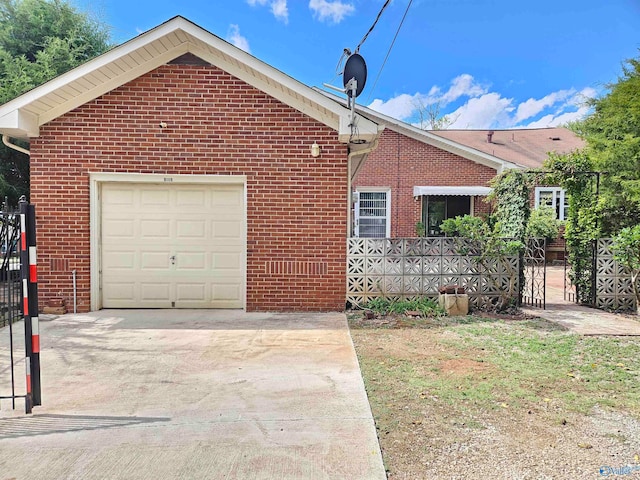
x=216 y=124
x=400 y=163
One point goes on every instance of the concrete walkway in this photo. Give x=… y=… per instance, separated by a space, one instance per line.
x=192 y=395
x=579 y=319
x=588 y=321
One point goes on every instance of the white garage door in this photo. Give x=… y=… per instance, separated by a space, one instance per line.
x=166 y=246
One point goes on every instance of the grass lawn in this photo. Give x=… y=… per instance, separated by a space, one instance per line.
x=472 y=397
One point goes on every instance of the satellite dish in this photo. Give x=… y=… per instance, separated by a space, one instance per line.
x=355 y=68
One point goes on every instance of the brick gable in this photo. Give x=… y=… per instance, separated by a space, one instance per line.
x=215 y=124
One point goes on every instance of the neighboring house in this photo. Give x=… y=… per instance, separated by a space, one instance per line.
x=428 y=176
x=176 y=170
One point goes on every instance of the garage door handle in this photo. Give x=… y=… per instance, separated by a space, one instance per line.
x=173 y=259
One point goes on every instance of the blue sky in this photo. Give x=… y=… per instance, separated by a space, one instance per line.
x=484 y=63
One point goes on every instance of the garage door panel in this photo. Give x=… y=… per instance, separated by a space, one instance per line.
x=191 y=198
x=121 y=291
x=226 y=291
x=155 y=261
x=191 y=292
x=191 y=261
x=228 y=197
x=120 y=260
x=160 y=229
x=191 y=229
x=118 y=196
x=166 y=245
x=227 y=229
x=119 y=229
x=155 y=291
x=226 y=261
x=156 y=197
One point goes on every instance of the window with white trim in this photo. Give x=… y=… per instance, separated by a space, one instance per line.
x=555 y=198
x=372 y=213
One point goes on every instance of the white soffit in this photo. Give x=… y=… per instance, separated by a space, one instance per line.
x=435 y=190
x=23 y=116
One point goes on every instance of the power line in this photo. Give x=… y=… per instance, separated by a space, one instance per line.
x=372 y=26
x=389 y=51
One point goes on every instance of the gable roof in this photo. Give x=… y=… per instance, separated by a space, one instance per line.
x=525 y=147
x=430 y=138
x=23 y=116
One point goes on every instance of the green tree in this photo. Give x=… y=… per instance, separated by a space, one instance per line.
x=39 y=40
x=612 y=133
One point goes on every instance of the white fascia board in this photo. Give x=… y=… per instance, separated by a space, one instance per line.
x=247 y=68
x=19 y=124
x=116 y=82
x=87 y=68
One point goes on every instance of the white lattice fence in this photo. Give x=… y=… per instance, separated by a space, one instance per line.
x=613 y=282
x=415 y=267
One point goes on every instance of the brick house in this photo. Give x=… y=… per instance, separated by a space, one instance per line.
x=427 y=176
x=176 y=170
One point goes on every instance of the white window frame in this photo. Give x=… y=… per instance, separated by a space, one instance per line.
x=356 y=208
x=558 y=197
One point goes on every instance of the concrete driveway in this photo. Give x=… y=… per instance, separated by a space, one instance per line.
x=161 y=394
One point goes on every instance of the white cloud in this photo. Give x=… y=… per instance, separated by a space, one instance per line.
x=560 y=119
x=533 y=107
x=476 y=107
x=405 y=106
x=580 y=98
x=278 y=8
x=574 y=108
x=486 y=111
x=462 y=86
x=330 y=11
x=401 y=107
x=233 y=36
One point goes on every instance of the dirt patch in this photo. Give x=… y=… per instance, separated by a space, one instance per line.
x=446 y=406
x=462 y=366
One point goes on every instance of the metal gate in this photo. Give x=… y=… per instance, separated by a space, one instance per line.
x=534 y=272
x=19 y=326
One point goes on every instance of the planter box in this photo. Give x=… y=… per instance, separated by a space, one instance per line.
x=454 y=303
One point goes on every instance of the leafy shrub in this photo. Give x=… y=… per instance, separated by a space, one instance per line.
x=543 y=223
x=464 y=226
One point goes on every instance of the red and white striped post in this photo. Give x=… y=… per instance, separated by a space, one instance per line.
x=29 y=272
x=24 y=275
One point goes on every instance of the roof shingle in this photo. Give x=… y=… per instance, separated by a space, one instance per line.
x=525 y=147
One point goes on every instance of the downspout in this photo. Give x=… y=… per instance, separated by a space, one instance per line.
x=365 y=151
x=5 y=140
